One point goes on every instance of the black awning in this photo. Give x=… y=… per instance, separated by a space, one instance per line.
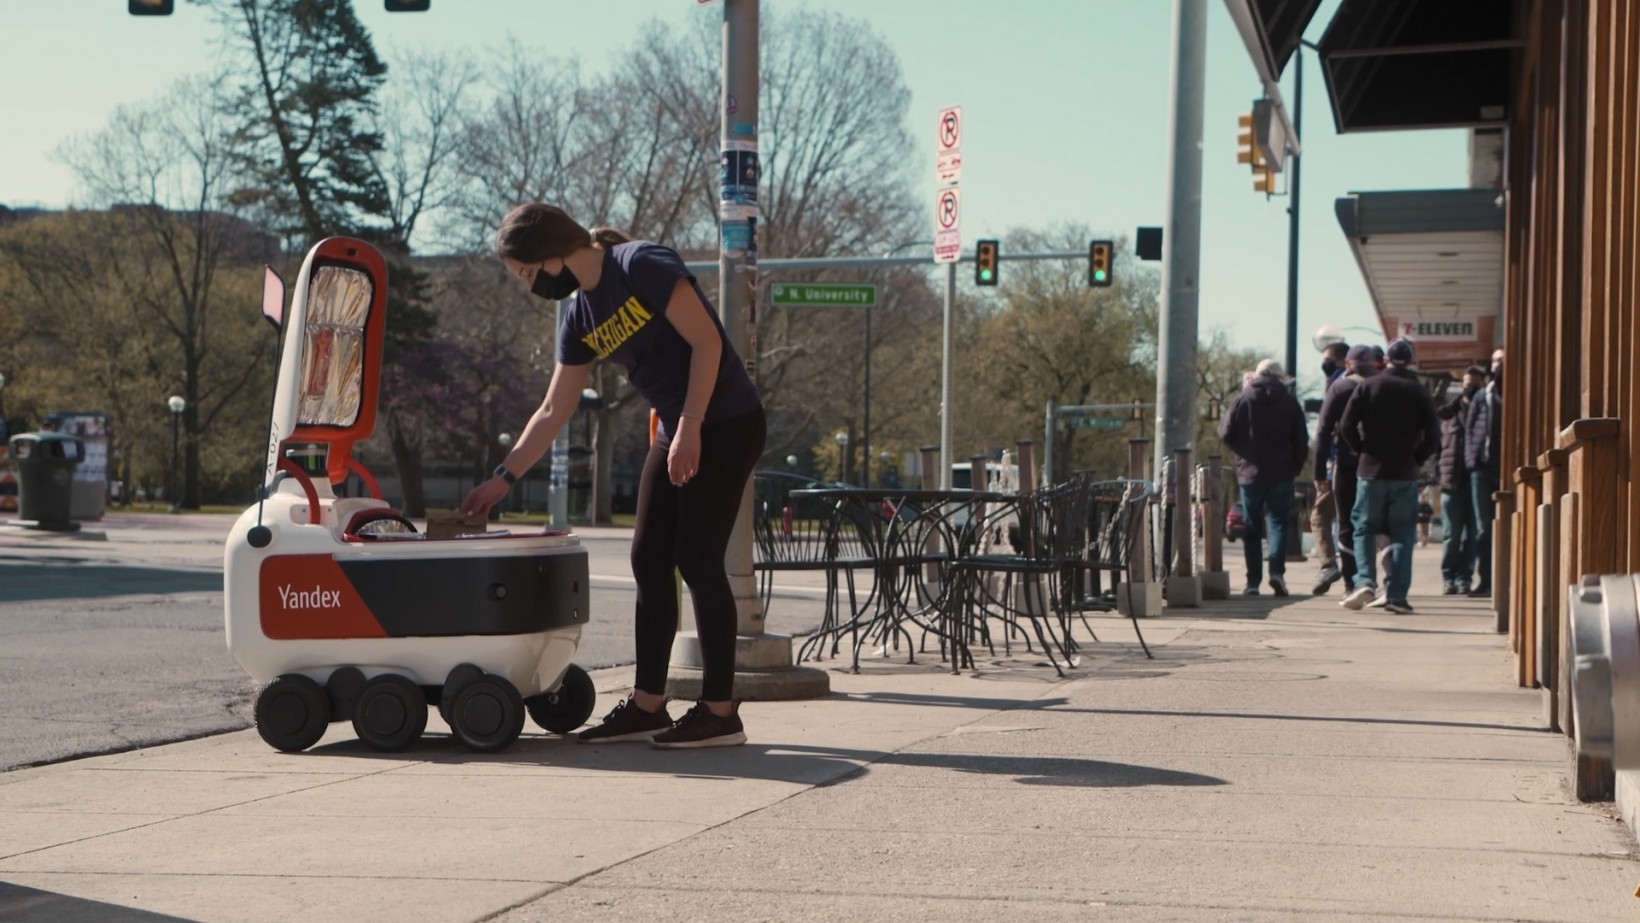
x=1276 y=27
x=1421 y=63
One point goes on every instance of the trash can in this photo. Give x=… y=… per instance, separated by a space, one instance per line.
x=45 y=476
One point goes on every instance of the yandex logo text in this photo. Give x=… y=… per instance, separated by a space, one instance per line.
x=316 y=598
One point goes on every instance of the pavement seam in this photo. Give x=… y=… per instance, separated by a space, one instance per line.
x=1085 y=902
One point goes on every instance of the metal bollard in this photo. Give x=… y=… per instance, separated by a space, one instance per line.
x=1213 y=528
x=1184 y=549
x=1138 y=459
x=930 y=467
x=1027 y=465
x=1604 y=613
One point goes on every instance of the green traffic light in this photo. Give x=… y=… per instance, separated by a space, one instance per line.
x=1099 y=274
x=985 y=274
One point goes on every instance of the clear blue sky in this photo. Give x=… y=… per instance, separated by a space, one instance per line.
x=1065 y=108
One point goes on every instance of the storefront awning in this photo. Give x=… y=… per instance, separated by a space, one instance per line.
x=1271 y=30
x=1433 y=262
x=1421 y=63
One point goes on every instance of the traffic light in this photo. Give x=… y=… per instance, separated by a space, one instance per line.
x=407 y=6
x=1264 y=180
x=985 y=262
x=1247 y=151
x=150 y=7
x=1101 y=262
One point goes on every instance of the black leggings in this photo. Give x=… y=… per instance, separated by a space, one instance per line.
x=687 y=528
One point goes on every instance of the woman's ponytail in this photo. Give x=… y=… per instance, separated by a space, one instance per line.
x=608 y=237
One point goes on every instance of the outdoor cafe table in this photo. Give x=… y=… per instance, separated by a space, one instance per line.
x=908 y=535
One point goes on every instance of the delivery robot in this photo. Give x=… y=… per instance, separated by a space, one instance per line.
x=339 y=606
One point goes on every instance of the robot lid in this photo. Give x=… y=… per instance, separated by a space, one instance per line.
x=331 y=356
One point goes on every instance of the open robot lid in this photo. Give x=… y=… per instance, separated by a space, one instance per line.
x=330 y=358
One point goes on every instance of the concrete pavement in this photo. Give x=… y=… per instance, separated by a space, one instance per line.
x=1278 y=760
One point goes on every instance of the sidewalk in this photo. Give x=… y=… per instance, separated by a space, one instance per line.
x=1274 y=762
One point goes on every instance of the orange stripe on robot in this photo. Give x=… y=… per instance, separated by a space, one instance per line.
x=306 y=596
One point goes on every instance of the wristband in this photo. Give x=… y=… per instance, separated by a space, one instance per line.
x=502 y=472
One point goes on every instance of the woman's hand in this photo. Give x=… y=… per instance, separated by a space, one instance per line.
x=481 y=498
x=683 y=459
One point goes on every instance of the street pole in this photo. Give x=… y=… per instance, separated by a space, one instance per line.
x=1292 y=219
x=865 y=438
x=558 y=466
x=737 y=267
x=945 y=375
x=1181 y=256
x=763 y=662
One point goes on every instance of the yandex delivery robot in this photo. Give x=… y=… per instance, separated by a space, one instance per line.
x=339 y=606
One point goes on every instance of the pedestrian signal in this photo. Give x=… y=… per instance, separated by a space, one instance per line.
x=1101 y=261
x=985 y=262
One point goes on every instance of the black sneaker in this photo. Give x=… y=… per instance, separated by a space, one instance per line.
x=700 y=728
x=1251 y=590
x=1278 y=586
x=1398 y=607
x=1329 y=576
x=1480 y=592
x=1452 y=588
x=627 y=721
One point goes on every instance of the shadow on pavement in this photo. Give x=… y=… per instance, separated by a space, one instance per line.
x=795 y=763
x=1332 y=719
x=21 y=582
x=29 y=905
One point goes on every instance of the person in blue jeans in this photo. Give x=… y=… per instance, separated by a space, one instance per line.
x=1390 y=423
x=1265 y=428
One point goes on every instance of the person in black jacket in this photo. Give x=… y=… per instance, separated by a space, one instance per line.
x=1457 y=506
x=1361 y=363
x=1265 y=428
x=1481 y=453
x=1390 y=423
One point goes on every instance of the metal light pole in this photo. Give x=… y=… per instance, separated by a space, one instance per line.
x=5 y=428
x=558 y=467
x=1181 y=244
x=946 y=355
x=1292 y=218
x=763 y=662
x=505 y=440
x=844 y=455
x=177 y=405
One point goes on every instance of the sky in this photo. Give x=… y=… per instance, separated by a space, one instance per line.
x=1065 y=109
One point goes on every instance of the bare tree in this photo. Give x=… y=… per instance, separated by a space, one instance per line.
x=164 y=171
x=421 y=128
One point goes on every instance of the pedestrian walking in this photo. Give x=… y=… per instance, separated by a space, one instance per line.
x=637 y=305
x=1481 y=450
x=1457 y=503
x=1265 y=428
x=1324 y=513
x=1390 y=423
x=1361 y=363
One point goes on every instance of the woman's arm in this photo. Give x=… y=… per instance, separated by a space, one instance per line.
x=563 y=396
x=687 y=315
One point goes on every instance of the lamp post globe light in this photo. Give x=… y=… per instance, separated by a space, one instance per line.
x=841 y=438
x=177 y=405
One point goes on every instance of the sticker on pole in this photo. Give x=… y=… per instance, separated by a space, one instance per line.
x=948 y=145
x=947 y=225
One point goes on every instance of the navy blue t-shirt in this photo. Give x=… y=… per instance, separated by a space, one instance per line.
x=624 y=320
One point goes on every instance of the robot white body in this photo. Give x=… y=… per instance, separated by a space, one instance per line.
x=340 y=607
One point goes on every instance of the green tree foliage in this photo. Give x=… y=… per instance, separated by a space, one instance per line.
x=306 y=77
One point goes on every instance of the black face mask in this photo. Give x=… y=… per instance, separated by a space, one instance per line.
x=554 y=287
x=1328 y=367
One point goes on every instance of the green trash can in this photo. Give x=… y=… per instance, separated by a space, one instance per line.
x=45 y=478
